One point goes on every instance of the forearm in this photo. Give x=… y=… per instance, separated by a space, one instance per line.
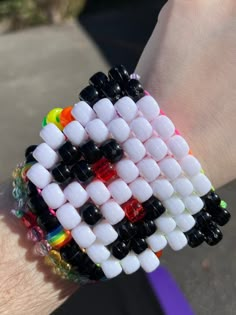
x=27 y=285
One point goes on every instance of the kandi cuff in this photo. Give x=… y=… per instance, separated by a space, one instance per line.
x=113 y=184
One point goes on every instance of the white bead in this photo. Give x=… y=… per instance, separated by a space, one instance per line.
x=178 y=147
x=83 y=113
x=190 y=165
x=112 y=212
x=39 y=176
x=148 y=169
x=75 y=132
x=105 y=110
x=83 y=235
x=156 y=242
x=97 y=252
x=170 y=168
x=53 y=196
x=177 y=240
x=162 y=189
x=157 y=148
x=45 y=155
x=127 y=170
x=134 y=149
x=193 y=204
x=111 y=267
x=120 y=191
x=130 y=263
x=165 y=223
x=141 y=128
x=202 y=184
x=183 y=186
x=68 y=216
x=148 y=260
x=141 y=190
x=126 y=108
x=52 y=136
x=164 y=127
x=174 y=205
x=97 y=130
x=98 y=192
x=185 y=221
x=76 y=194
x=105 y=233
x=119 y=129
x=149 y=107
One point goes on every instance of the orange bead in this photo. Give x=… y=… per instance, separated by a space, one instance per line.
x=159 y=254
x=65 y=116
x=190 y=152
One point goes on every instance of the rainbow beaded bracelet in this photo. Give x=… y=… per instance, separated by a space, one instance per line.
x=112 y=184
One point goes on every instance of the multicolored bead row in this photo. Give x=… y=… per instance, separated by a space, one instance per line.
x=113 y=183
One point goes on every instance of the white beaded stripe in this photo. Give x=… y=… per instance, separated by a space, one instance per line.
x=68 y=216
x=75 y=133
x=45 y=155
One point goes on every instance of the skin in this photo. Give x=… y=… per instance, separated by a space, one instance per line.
x=188 y=65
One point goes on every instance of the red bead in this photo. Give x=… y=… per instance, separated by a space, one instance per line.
x=104 y=170
x=29 y=219
x=133 y=210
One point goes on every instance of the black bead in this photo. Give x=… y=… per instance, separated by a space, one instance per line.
x=212 y=199
x=212 y=234
x=119 y=249
x=91 y=152
x=134 y=89
x=91 y=270
x=48 y=222
x=194 y=237
x=90 y=213
x=30 y=158
x=37 y=204
x=139 y=245
x=70 y=250
x=61 y=173
x=30 y=150
x=98 y=80
x=89 y=95
x=96 y=273
x=83 y=172
x=69 y=153
x=154 y=208
x=126 y=230
x=31 y=189
x=146 y=228
x=203 y=218
x=112 y=150
x=222 y=216
x=119 y=74
x=112 y=91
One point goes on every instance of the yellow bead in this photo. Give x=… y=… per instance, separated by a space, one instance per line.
x=54 y=117
x=65 y=266
x=53 y=258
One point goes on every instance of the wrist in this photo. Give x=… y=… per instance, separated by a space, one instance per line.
x=29 y=287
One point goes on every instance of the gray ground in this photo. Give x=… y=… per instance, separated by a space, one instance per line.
x=45 y=67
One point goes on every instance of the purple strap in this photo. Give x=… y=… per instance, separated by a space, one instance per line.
x=168 y=293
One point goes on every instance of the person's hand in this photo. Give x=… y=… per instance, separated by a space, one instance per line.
x=189 y=65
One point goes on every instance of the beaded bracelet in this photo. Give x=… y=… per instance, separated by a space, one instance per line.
x=112 y=184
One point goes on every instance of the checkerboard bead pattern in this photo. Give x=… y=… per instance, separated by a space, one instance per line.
x=122 y=180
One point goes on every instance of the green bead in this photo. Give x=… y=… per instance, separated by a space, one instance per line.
x=44 y=122
x=223 y=204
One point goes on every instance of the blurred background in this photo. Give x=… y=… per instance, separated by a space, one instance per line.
x=48 y=50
